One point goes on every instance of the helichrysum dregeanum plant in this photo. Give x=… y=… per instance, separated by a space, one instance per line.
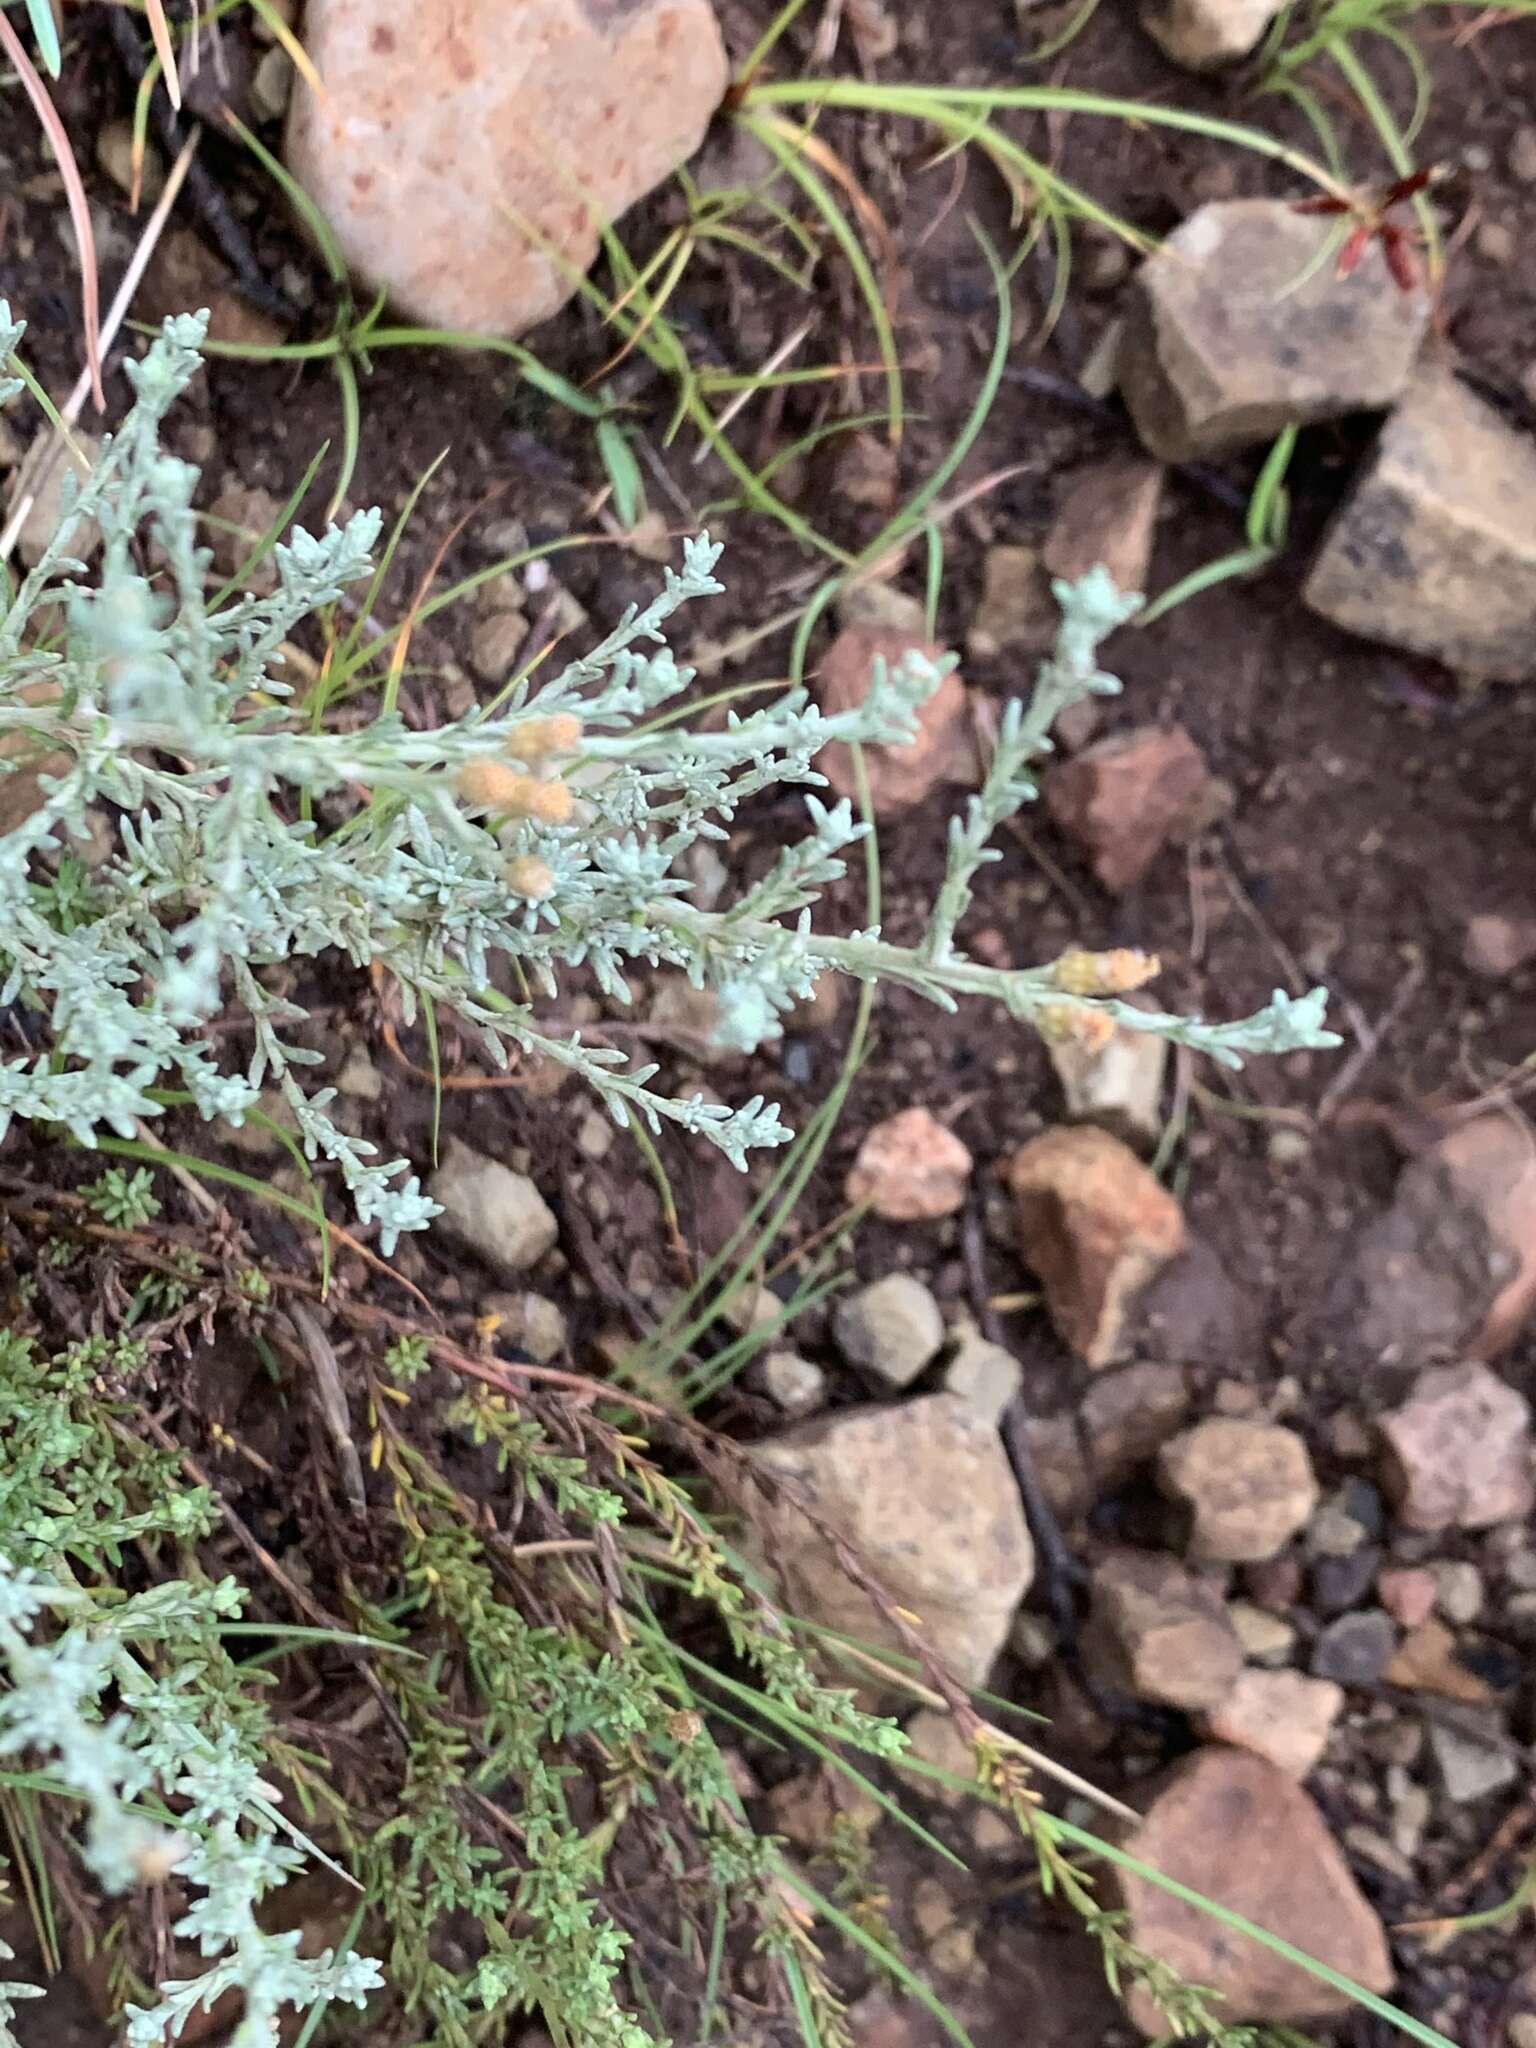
x=550 y=833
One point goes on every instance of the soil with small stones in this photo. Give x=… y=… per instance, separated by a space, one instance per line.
x=1378 y=808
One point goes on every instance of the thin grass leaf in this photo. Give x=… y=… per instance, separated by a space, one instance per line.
x=45 y=32
x=74 y=194
x=884 y=1958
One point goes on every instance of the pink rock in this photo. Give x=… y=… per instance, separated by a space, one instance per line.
x=1124 y=798
x=1283 y=1716
x=899 y=776
x=468 y=158
x=1240 y=1831
x=1407 y=1592
x=910 y=1169
x=1458 y=1451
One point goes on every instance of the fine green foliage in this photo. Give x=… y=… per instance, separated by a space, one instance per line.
x=548 y=833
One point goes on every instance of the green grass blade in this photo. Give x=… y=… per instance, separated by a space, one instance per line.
x=885 y=1960
x=45 y=34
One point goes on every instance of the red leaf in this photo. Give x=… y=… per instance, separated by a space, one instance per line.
x=1400 y=259
x=1354 y=249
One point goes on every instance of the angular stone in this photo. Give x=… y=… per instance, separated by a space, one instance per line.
x=1239 y=326
x=1203 y=1830
x=1426 y=1661
x=944 y=749
x=1356 y=1649
x=796 y=1386
x=1265 y=1638
x=984 y=1375
x=1016 y=608
x=1160 y=1633
x=1470 y=1769
x=498 y=1214
x=469 y=165
x=184 y=275
x=1204 y=34
x=1458 y=1451
x=924 y=1493
x=1125 y=797
x=1283 y=1716
x=1118 y=1084
x=1450 y=1266
x=911 y=1169
x=1096 y=1226
x=891 y=1329
x=1435 y=547
x=1127 y=1416
x=1108 y=516
x=1248 y=1487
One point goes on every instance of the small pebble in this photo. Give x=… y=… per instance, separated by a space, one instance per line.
x=1356 y=1649
x=1340 y=1583
x=1458 y=1590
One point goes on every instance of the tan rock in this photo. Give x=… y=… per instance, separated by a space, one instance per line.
x=48 y=470
x=1425 y=1661
x=1204 y=34
x=1238 y=1830
x=1160 y=1633
x=184 y=276
x=496 y=642
x=1491 y=1165
x=1458 y=1451
x=1265 y=1637
x=935 y=1739
x=469 y=165
x=1096 y=1226
x=1239 y=326
x=1118 y=1083
x=910 y=1169
x=944 y=749
x=1108 y=515
x=984 y=1375
x=1248 y=1487
x=1282 y=1716
x=1435 y=547
x=496 y=1213
x=1016 y=608
x=924 y=1492
x=891 y=1330
x=1125 y=797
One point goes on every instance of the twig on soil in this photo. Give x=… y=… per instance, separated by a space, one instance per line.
x=1371 y=1038
x=207 y=195
x=331 y=1400
x=1062 y=1570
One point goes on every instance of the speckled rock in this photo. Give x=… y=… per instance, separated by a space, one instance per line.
x=1203 y=1829
x=1236 y=330
x=924 y=1492
x=1435 y=547
x=467 y=159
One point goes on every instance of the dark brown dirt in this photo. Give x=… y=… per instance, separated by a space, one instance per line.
x=1377 y=808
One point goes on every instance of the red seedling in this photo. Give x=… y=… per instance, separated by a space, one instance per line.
x=1372 y=224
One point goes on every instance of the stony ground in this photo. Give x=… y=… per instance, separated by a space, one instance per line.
x=1259 y=1341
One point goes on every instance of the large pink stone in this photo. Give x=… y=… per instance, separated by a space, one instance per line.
x=468 y=153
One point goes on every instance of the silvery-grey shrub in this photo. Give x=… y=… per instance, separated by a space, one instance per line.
x=550 y=834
